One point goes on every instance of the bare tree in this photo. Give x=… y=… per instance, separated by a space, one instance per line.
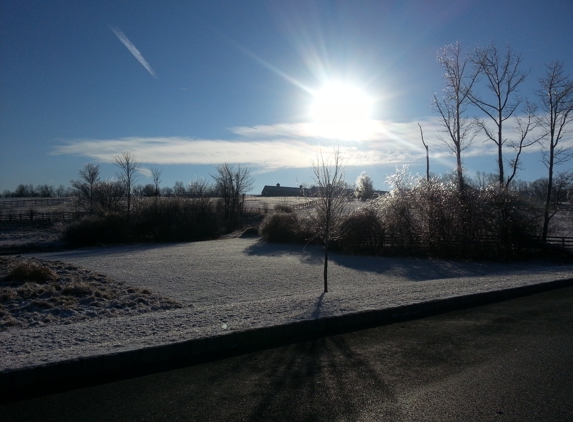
x=86 y=186
x=459 y=129
x=127 y=174
x=156 y=174
x=231 y=184
x=503 y=77
x=329 y=202
x=179 y=189
x=556 y=98
x=107 y=196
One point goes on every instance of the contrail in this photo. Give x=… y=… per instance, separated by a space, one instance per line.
x=133 y=50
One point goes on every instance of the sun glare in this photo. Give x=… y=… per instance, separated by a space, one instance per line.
x=341 y=111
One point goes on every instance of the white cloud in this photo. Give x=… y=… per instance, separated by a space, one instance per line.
x=294 y=145
x=133 y=50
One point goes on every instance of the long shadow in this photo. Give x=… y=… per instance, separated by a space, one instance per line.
x=315 y=380
x=414 y=269
x=310 y=254
x=109 y=249
x=318 y=307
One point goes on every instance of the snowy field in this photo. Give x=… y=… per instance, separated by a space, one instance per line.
x=242 y=283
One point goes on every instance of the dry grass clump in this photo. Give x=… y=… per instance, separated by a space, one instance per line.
x=31 y=270
x=35 y=293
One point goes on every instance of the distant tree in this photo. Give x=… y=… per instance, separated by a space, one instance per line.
x=44 y=191
x=24 y=191
x=556 y=97
x=179 y=189
x=156 y=174
x=484 y=180
x=145 y=190
x=62 y=191
x=329 y=202
x=127 y=174
x=166 y=191
x=86 y=186
x=200 y=188
x=459 y=129
x=231 y=183
x=364 y=188
x=503 y=76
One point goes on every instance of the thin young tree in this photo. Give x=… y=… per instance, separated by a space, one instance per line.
x=329 y=202
x=156 y=174
x=127 y=174
x=427 y=154
x=459 y=129
x=86 y=186
x=503 y=76
x=556 y=98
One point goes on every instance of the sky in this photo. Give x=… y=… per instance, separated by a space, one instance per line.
x=187 y=85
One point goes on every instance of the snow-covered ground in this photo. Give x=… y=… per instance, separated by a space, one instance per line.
x=242 y=283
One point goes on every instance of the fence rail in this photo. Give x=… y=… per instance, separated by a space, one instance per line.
x=392 y=241
x=21 y=203
x=42 y=216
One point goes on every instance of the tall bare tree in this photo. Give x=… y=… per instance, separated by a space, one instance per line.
x=127 y=174
x=503 y=77
x=556 y=98
x=231 y=183
x=427 y=153
x=329 y=202
x=459 y=129
x=86 y=186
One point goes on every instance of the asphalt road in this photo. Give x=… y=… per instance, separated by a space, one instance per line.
x=511 y=361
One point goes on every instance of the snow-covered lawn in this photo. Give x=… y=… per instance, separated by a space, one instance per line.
x=241 y=283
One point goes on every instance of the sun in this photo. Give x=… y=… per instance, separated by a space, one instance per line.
x=341 y=110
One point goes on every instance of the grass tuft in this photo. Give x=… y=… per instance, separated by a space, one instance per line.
x=31 y=270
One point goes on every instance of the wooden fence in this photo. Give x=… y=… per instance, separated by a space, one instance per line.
x=35 y=202
x=42 y=216
x=264 y=210
x=393 y=242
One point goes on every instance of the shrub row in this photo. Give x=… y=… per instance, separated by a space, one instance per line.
x=173 y=219
x=430 y=218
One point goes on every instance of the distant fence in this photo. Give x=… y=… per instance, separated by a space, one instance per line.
x=42 y=216
x=21 y=203
x=271 y=208
x=394 y=242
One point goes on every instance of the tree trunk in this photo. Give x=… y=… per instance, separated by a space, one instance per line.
x=546 y=216
x=326 y=266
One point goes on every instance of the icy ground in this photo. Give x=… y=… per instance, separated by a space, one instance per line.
x=241 y=283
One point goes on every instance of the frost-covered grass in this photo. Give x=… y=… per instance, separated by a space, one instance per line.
x=238 y=284
x=36 y=293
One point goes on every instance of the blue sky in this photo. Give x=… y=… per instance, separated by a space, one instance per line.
x=186 y=85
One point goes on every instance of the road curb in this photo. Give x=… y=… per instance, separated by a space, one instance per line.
x=43 y=379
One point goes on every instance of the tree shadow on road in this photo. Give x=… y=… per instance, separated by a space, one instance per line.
x=317 y=380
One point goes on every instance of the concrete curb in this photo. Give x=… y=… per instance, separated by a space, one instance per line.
x=44 y=379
